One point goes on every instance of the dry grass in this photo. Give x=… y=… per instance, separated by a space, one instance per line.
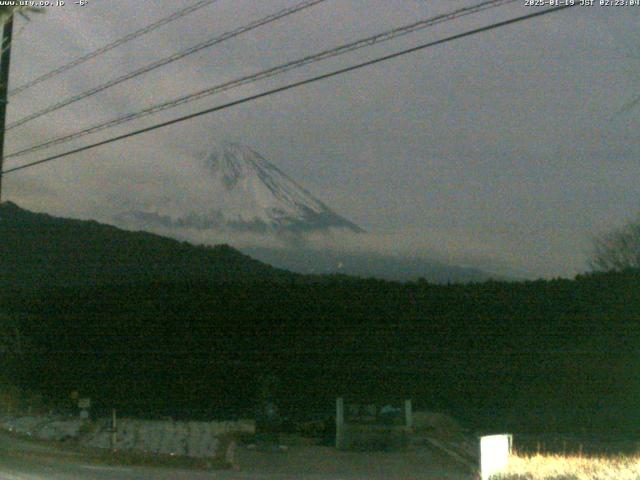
x=561 y=467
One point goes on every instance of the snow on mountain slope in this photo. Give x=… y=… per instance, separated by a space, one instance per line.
x=246 y=192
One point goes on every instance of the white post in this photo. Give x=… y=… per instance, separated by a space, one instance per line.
x=339 y=422
x=494 y=454
x=114 y=429
x=408 y=414
x=84 y=404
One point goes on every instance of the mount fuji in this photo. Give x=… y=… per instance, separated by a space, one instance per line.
x=241 y=192
x=250 y=194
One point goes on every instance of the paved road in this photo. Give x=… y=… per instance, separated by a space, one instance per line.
x=23 y=460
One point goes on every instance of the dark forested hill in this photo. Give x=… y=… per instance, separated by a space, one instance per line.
x=543 y=355
x=40 y=250
x=546 y=355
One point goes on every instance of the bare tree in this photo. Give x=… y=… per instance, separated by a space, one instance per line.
x=618 y=249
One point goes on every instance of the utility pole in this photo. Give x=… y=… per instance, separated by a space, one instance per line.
x=5 y=59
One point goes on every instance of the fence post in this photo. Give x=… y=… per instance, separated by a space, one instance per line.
x=408 y=414
x=339 y=423
x=114 y=429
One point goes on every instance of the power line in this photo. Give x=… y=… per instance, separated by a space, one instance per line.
x=271 y=72
x=292 y=86
x=127 y=38
x=167 y=60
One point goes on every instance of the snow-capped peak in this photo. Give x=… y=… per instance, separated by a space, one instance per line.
x=247 y=192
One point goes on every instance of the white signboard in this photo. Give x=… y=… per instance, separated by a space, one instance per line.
x=494 y=454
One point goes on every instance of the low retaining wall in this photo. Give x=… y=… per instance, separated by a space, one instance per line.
x=375 y=437
x=194 y=439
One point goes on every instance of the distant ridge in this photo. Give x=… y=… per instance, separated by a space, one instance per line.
x=37 y=249
x=310 y=261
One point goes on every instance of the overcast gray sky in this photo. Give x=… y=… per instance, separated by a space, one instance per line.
x=506 y=148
